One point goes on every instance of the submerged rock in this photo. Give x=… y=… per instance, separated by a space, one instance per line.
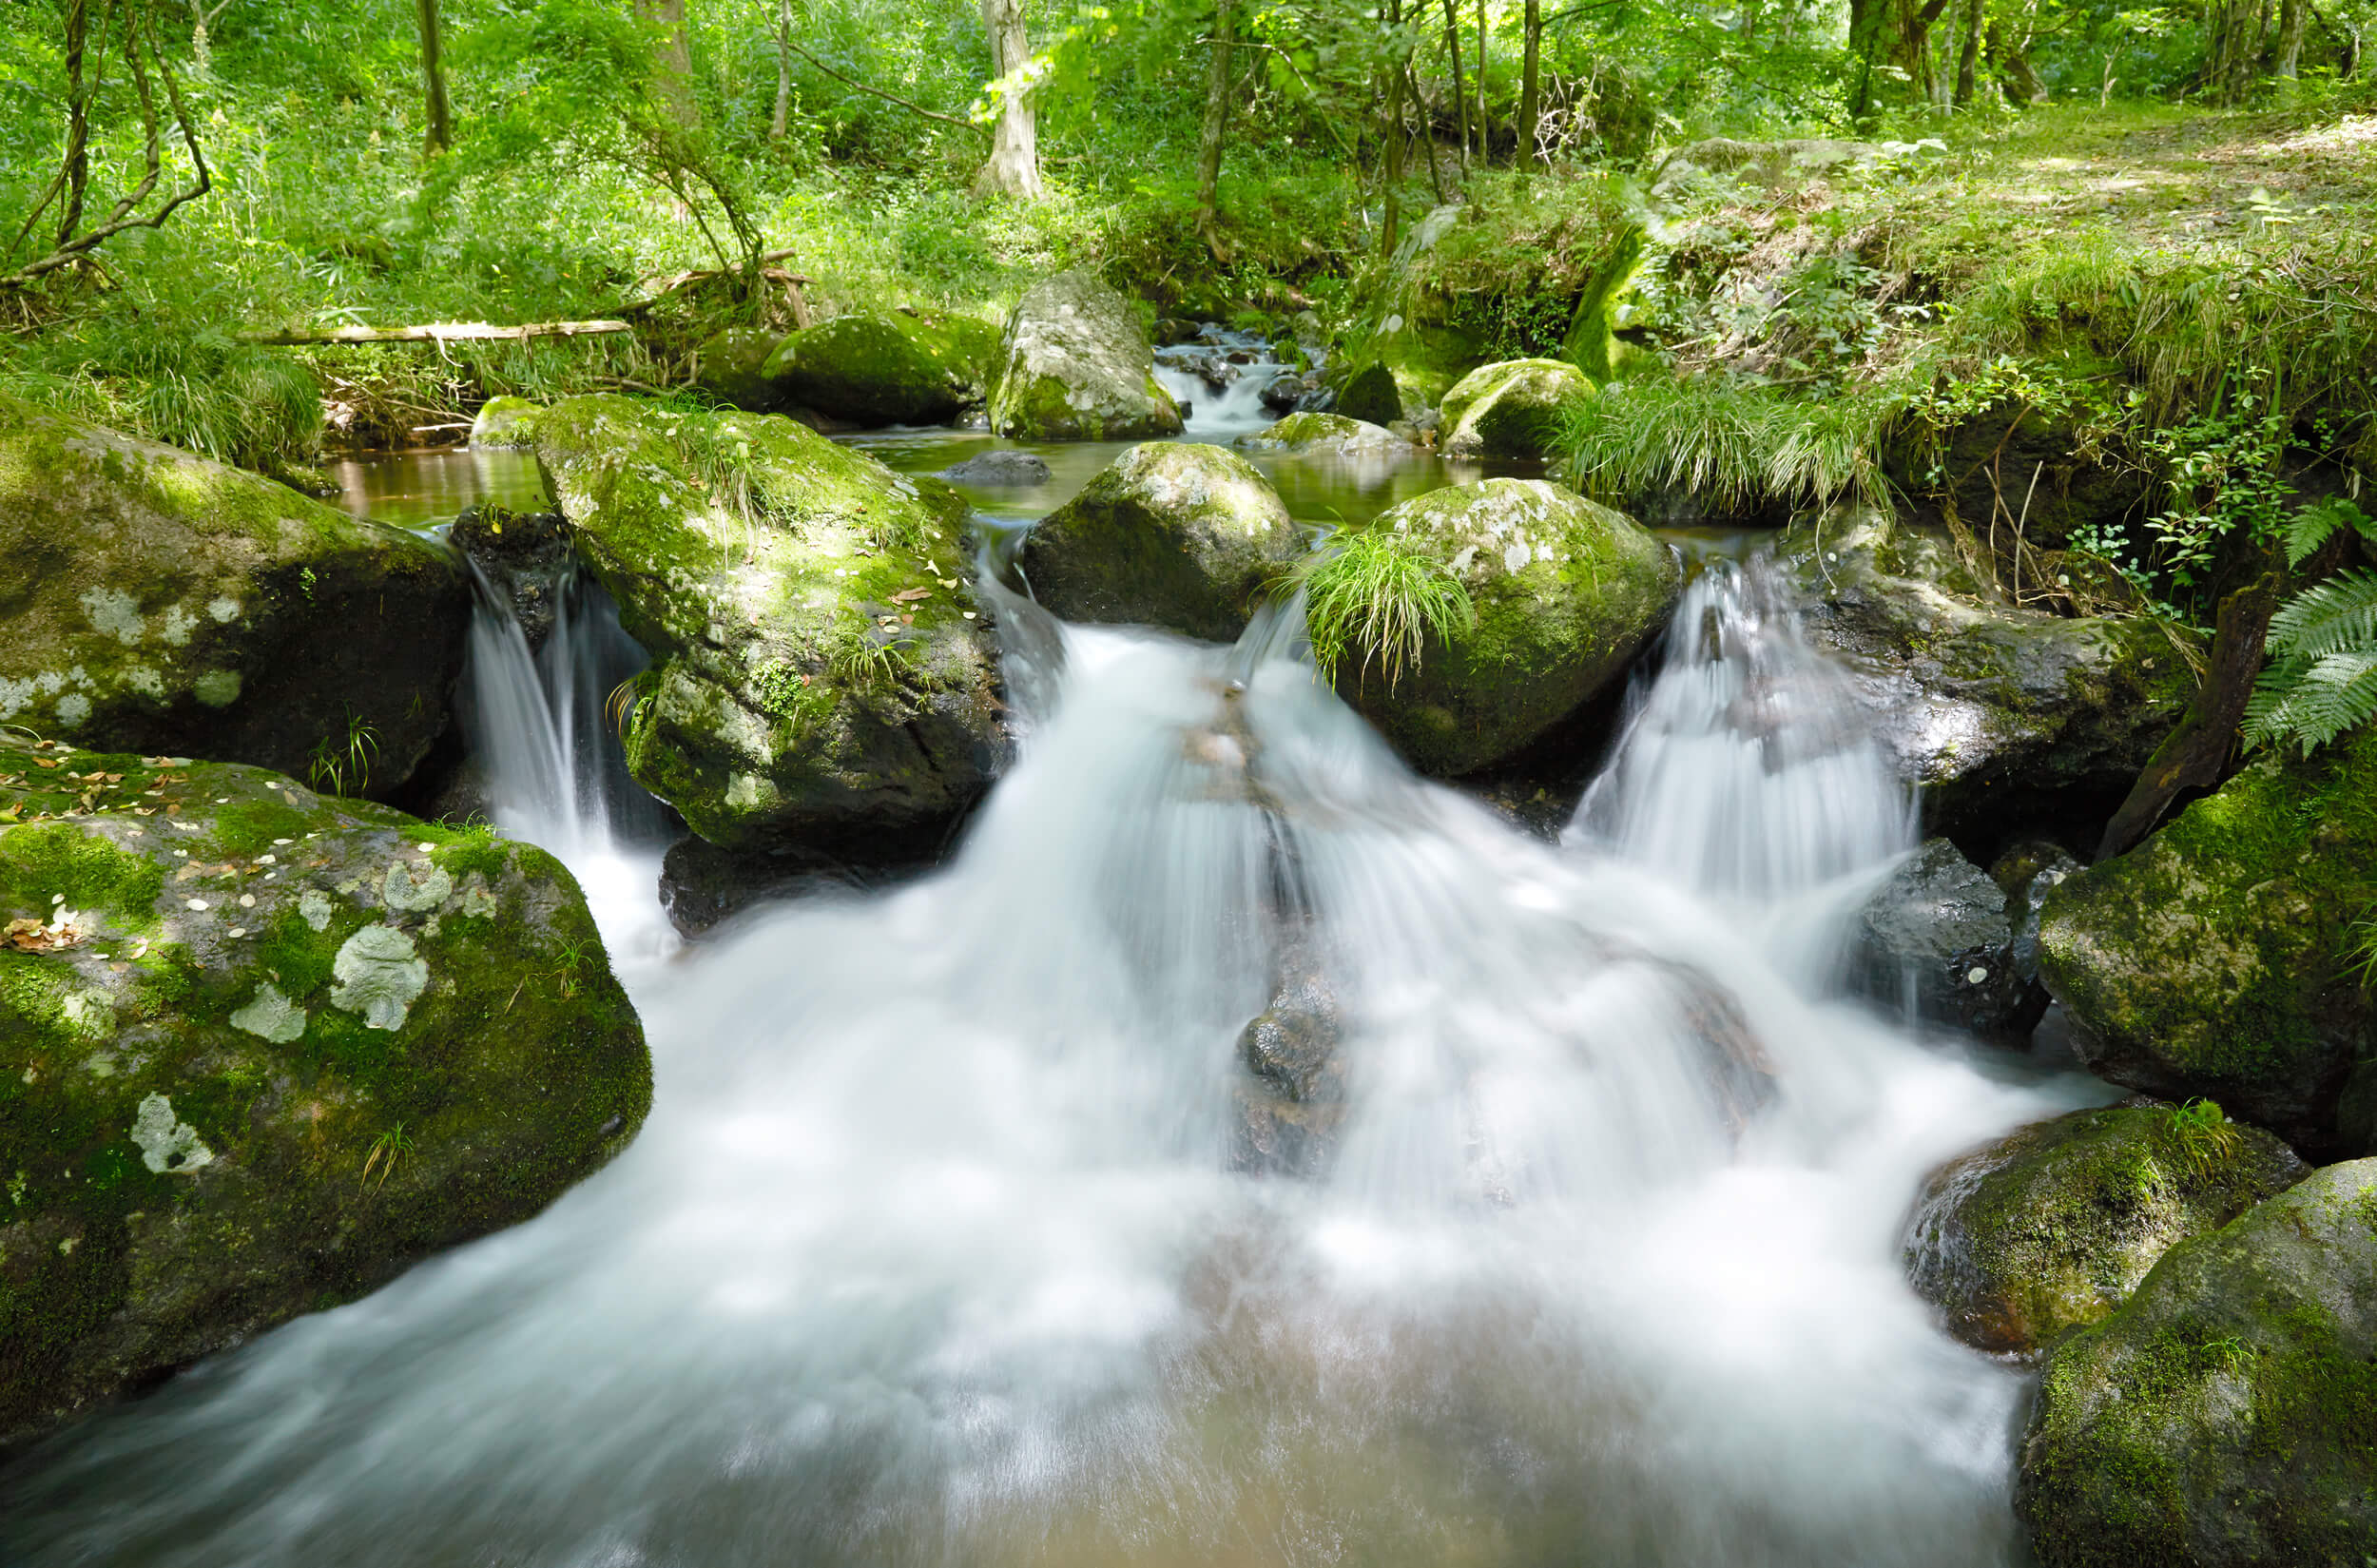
x=2000 y=715
x=1934 y=942
x=2216 y=957
x=162 y=603
x=1076 y=366
x=2222 y=1418
x=884 y=370
x=991 y=470
x=2054 y=1227
x=1171 y=533
x=819 y=664
x=1566 y=592
x=1512 y=409
x=731 y=367
x=264 y=1049
x=1314 y=433
x=1291 y=1101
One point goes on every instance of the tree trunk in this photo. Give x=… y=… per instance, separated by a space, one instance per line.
x=1393 y=151
x=1460 y=95
x=1013 y=167
x=672 y=75
x=1968 y=58
x=1485 y=141
x=1531 y=86
x=439 y=115
x=2294 y=18
x=1215 y=125
x=77 y=162
x=781 y=121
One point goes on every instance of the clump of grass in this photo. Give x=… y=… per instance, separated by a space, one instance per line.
x=386 y=1151
x=2360 y=949
x=2203 y=1135
x=343 y=766
x=1735 y=443
x=864 y=660
x=1374 y=596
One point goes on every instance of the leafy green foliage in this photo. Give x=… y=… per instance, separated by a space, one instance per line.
x=2321 y=675
x=2203 y=1135
x=1372 y=595
x=1735 y=444
x=2313 y=526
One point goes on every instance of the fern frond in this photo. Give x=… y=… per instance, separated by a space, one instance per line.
x=2333 y=616
x=2315 y=525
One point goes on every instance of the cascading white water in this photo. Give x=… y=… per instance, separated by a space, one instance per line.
x=931 y=1251
x=1236 y=408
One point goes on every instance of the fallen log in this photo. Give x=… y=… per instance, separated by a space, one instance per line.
x=432 y=332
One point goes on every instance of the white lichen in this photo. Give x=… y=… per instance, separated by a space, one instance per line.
x=313 y=906
x=270 y=1016
x=406 y=891
x=116 y=615
x=379 y=976
x=167 y=1145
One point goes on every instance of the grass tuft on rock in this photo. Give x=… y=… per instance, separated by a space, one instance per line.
x=1375 y=598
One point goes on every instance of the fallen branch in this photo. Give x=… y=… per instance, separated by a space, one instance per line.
x=887 y=97
x=434 y=332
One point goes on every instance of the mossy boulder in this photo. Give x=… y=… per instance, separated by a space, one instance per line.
x=1075 y=365
x=1998 y=714
x=2226 y=1417
x=158 y=602
x=1370 y=396
x=1171 y=533
x=820 y=667
x=2211 y=960
x=260 y=1050
x=1316 y=435
x=895 y=369
x=1512 y=409
x=505 y=422
x=731 y=368
x=1566 y=592
x=2053 y=1227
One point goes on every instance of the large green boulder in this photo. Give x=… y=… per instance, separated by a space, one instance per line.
x=1512 y=409
x=883 y=370
x=1075 y=365
x=2000 y=715
x=1171 y=533
x=1325 y=434
x=1370 y=396
x=820 y=670
x=158 y=602
x=260 y=1050
x=2227 y=1416
x=2053 y=1226
x=730 y=367
x=1564 y=593
x=2216 y=957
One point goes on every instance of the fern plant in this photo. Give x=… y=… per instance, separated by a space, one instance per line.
x=2321 y=679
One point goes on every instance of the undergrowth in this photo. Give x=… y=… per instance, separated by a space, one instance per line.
x=1370 y=596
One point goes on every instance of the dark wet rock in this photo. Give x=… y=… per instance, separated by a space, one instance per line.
x=1370 y=396
x=2053 y=1226
x=525 y=557
x=2222 y=1418
x=820 y=667
x=159 y=603
x=702 y=886
x=2000 y=715
x=1171 y=330
x=1075 y=366
x=2029 y=872
x=1288 y=394
x=1171 y=533
x=1292 y=1100
x=1004 y=467
x=1934 y=943
x=263 y=1050
x=2214 y=958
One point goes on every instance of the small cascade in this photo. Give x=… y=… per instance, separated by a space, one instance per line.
x=1221 y=378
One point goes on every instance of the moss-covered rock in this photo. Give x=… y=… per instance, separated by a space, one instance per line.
x=260 y=1049
x=884 y=370
x=1996 y=714
x=1370 y=396
x=1566 y=592
x=731 y=368
x=158 y=602
x=1170 y=533
x=1312 y=434
x=819 y=665
x=505 y=422
x=1075 y=365
x=2224 y=1417
x=1512 y=409
x=2052 y=1227
x=2210 y=959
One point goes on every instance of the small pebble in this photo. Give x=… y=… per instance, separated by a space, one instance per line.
x=247 y=900
x=238 y=931
x=197 y=904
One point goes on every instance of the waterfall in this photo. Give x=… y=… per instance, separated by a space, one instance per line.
x=1220 y=379
x=937 y=1246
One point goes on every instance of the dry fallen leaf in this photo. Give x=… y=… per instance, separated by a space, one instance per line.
x=909 y=596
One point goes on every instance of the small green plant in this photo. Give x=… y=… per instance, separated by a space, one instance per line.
x=2321 y=675
x=863 y=659
x=343 y=766
x=1374 y=596
x=2359 y=948
x=386 y=1151
x=2203 y=1135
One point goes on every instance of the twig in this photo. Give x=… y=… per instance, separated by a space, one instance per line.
x=888 y=97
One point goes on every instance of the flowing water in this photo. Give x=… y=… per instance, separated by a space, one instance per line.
x=933 y=1251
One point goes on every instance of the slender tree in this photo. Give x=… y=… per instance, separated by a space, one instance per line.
x=1215 y=127
x=1013 y=167
x=1968 y=57
x=1531 y=84
x=439 y=116
x=673 y=69
x=781 y=121
x=1461 y=96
